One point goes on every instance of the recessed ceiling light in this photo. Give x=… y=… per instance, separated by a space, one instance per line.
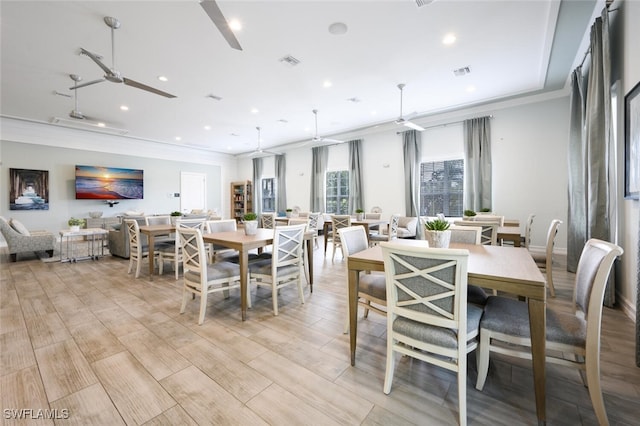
x=471 y=88
x=449 y=39
x=207 y=127
x=101 y=125
x=235 y=25
x=255 y=110
x=124 y=108
x=162 y=78
x=178 y=138
x=338 y=28
x=327 y=83
x=374 y=112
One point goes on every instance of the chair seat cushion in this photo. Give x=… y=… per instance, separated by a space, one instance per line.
x=511 y=317
x=374 y=285
x=439 y=336
x=263 y=267
x=476 y=295
x=216 y=271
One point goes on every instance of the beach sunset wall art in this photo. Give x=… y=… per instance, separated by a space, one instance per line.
x=108 y=183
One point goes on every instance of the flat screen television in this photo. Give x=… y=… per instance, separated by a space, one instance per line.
x=108 y=183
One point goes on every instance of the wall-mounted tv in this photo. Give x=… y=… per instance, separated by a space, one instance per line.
x=108 y=183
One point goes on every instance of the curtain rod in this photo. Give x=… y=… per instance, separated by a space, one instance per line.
x=446 y=124
x=589 y=48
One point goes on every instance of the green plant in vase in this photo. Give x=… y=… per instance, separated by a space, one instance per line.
x=76 y=223
x=437 y=233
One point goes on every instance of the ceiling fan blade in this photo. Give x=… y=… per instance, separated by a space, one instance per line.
x=413 y=126
x=214 y=12
x=95 y=58
x=329 y=140
x=138 y=85
x=88 y=83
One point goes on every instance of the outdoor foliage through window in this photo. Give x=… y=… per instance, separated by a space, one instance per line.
x=337 y=192
x=268 y=195
x=441 y=187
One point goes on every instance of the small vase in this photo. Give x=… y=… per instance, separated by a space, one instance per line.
x=251 y=227
x=438 y=239
x=359 y=216
x=74 y=228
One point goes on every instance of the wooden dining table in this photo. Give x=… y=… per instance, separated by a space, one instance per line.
x=366 y=223
x=506 y=269
x=509 y=233
x=241 y=242
x=153 y=231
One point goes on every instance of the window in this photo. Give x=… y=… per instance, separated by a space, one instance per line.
x=268 y=195
x=441 y=185
x=338 y=192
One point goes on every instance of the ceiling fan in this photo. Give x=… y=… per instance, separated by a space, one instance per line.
x=111 y=74
x=75 y=113
x=259 y=151
x=320 y=140
x=214 y=12
x=401 y=120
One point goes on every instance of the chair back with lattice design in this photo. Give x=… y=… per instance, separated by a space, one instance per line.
x=313 y=221
x=337 y=222
x=267 y=220
x=135 y=242
x=194 y=257
x=489 y=235
x=191 y=223
x=287 y=245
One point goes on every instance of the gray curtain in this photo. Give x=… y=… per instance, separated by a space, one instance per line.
x=589 y=212
x=356 y=197
x=411 y=146
x=319 y=159
x=477 y=156
x=281 y=187
x=257 y=185
x=576 y=228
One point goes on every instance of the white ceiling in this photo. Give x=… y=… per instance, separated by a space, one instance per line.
x=513 y=47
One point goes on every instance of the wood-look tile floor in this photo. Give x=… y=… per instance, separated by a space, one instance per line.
x=89 y=342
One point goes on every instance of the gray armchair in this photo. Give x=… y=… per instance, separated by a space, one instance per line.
x=29 y=241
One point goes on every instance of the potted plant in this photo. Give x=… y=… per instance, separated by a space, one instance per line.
x=359 y=214
x=250 y=223
x=75 y=224
x=289 y=212
x=175 y=215
x=437 y=233
x=468 y=214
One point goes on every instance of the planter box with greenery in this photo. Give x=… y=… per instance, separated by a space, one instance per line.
x=75 y=224
x=437 y=233
x=468 y=214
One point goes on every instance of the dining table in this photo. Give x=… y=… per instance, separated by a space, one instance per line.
x=153 y=231
x=366 y=223
x=509 y=233
x=506 y=269
x=238 y=240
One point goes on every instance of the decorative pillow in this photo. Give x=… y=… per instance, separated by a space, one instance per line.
x=19 y=227
x=116 y=227
x=133 y=213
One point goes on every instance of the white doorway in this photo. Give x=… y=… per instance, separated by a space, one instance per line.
x=193 y=191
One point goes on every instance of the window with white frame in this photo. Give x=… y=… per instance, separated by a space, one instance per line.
x=337 y=192
x=441 y=187
x=268 y=195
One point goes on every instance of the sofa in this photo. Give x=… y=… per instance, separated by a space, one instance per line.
x=20 y=240
x=407 y=227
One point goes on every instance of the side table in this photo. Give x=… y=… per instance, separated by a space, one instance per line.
x=69 y=241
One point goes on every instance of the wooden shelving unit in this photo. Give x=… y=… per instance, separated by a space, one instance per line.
x=241 y=203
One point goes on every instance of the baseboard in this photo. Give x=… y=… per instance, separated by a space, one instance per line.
x=626 y=306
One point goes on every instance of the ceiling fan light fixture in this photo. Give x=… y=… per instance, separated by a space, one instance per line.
x=413 y=126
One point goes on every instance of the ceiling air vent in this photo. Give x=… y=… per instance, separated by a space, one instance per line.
x=461 y=71
x=214 y=97
x=289 y=60
x=421 y=3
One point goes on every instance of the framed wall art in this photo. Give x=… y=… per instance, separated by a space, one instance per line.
x=632 y=144
x=29 y=189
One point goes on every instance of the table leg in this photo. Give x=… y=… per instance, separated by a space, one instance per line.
x=516 y=242
x=537 y=319
x=152 y=248
x=325 y=233
x=244 y=285
x=310 y=262
x=354 y=277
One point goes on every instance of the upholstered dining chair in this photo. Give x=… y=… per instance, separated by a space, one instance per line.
x=525 y=240
x=545 y=260
x=224 y=225
x=505 y=325
x=267 y=220
x=390 y=235
x=337 y=222
x=201 y=277
x=470 y=235
x=137 y=250
x=489 y=230
x=372 y=291
x=285 y=266
x=313 y=226
x=160 y=220
x=489 y=218
x=427 y=313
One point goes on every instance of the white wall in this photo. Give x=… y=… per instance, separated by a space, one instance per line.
x=529 y=145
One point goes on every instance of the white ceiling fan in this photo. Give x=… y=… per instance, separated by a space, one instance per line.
x=401 y=120
x=259 y=152
x=75 y=112
x=214 y=12
x=111 y=74
x=317 y=140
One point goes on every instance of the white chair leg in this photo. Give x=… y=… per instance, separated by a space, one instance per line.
x=595 y=391
x=300 y=291
x=185 y=297
x=482 y=354
x=391 y=365
x=462 y=388
x=274 y=296
x=160 y=264
x=203 y=305
x=138 y=267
